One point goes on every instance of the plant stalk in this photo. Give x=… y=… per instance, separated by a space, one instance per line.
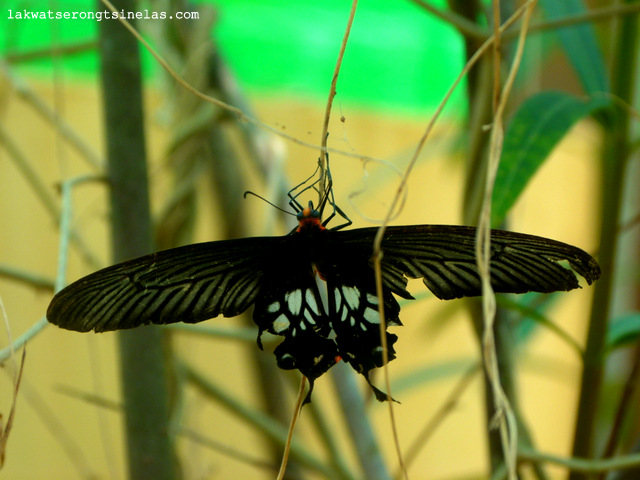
x=615 y=154
x=142 y=351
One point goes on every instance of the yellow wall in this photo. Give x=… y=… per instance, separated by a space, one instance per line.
x=57 y=436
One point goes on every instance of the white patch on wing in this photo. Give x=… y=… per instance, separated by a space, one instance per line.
x=322 y=290
x=309 y=317
x=294 y=301
x=311 y=301
x=351 y=296
x=274 y=307
x=338 y=298
x=281 y=323
x=372 y=299
x=371 y=315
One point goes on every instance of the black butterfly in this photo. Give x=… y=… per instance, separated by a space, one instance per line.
x=314 y=287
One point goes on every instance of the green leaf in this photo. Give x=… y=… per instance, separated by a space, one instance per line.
x=539 y=124
x=624 y=331
x=580 y=44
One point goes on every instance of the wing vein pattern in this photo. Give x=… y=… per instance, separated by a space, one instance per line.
x=315 y=287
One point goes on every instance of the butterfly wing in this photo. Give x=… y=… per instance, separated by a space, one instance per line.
x=444 y=257
x=279 y=274
x=197 y=282
x=352 y=303
x=185 y=284
x=290 y=305
x=356 y=322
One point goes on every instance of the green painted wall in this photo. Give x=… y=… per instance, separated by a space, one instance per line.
x=398 y=57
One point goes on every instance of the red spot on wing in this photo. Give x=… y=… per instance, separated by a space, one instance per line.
x=318 y=272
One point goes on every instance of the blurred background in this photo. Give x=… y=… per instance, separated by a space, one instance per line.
x=274 y=60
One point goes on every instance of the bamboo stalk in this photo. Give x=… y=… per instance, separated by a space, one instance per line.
x=615 y=155
x=142 y=351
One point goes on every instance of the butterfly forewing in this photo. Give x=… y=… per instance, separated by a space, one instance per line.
x=186 y=284
x=444 y=257
x=315 y=287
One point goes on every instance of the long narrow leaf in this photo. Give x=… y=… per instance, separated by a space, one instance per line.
x=580 y=44
x=535 y=130
x=624 y=331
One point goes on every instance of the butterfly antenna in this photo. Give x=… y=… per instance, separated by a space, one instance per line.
x=249 y=192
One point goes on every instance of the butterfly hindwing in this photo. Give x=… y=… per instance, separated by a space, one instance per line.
x=291 y=305
x=284 y=309
x=353 y=305
x=315 y=287
x=356 y=322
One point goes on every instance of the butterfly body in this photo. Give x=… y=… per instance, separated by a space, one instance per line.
x=314 y=287
x=322 y=304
